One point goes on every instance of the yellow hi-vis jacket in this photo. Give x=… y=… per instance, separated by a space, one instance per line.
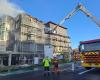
x=46 y=62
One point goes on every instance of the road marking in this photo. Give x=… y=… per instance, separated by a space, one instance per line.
x=85 y=71
x=63 y=70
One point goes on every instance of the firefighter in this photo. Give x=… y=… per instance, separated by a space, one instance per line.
x=46 y=64
x=55 y=62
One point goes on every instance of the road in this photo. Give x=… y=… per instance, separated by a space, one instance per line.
x=66 y=74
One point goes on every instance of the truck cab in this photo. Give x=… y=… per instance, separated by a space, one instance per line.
x=90 y=53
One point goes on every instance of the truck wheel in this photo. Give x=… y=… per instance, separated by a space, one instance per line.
x=87 y=68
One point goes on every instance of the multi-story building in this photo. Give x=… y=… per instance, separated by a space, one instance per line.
x=59 y=40
x=29 y=37
x=7 y=38
x=23 y=40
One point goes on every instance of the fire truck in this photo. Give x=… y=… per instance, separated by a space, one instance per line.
x=90 y=53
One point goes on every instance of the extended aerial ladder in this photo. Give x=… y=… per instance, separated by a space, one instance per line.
x=84 y=10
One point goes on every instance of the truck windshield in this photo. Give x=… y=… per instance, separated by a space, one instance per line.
x=90 y=46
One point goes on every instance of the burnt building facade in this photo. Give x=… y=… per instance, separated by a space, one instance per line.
x=23 y=39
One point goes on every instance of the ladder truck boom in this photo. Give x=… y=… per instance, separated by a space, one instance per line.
x=84 y=10
x=67 y=17
x=88 y=14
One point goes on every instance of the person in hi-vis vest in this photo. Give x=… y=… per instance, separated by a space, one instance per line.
x=46 y=64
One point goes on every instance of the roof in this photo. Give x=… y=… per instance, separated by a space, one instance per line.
x=90 y=41
x=55 y=24
x=32 y=17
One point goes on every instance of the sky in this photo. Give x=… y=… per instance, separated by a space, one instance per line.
x=80 y=27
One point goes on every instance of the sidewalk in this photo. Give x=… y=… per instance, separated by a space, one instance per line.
x=36 y=69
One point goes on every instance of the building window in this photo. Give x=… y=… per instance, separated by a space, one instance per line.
x=18 y=24
x=2 y=28
x=46 y=29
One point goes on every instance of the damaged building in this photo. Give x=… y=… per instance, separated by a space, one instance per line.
x=22 y=40
x=7 y=25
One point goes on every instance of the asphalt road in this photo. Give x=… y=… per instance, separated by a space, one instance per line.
x=66 y=74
